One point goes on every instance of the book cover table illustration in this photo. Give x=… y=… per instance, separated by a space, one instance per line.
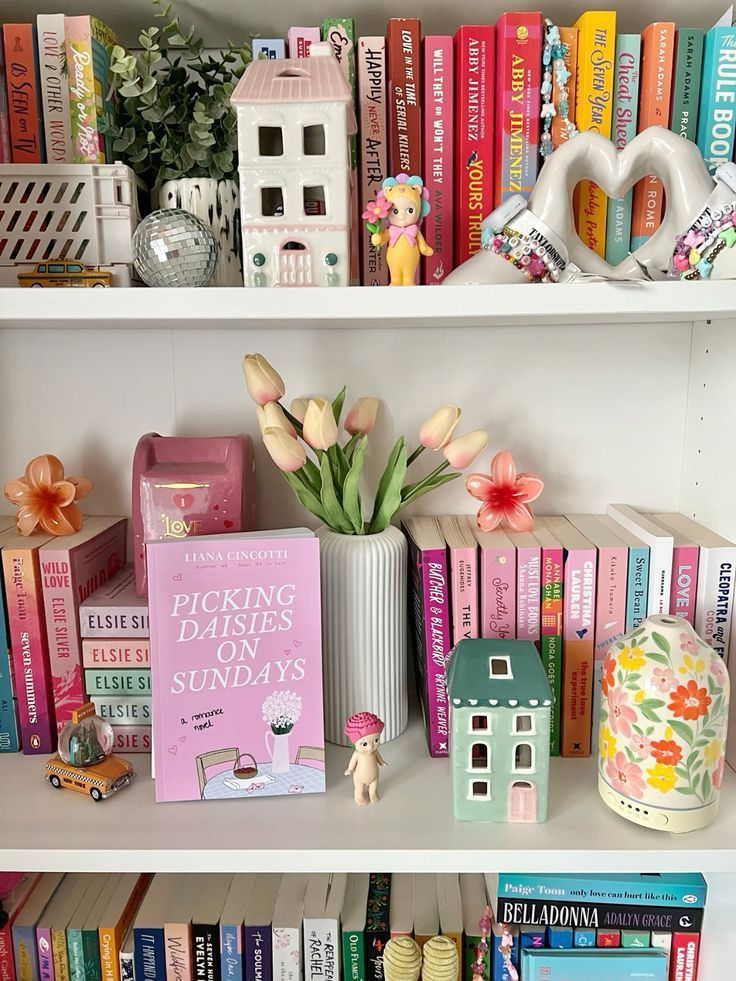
x=236 y=666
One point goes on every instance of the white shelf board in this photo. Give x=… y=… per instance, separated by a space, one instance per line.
x=425 y=306
x=411 y=829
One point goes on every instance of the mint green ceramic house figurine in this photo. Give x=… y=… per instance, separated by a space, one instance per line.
x=500 y=705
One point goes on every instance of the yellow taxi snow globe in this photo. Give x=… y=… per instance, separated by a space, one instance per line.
x=84 y=761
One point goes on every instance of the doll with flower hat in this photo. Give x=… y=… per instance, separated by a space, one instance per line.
x=401 y=203
x=363 y=730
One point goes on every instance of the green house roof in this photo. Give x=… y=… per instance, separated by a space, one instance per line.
x=470 y=681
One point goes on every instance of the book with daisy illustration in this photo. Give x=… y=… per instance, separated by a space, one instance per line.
x=236 y=666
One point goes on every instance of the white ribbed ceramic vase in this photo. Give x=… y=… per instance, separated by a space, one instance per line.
x=218 y=204
x=364 y=639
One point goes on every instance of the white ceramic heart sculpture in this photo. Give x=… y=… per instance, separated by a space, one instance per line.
x=657 y=151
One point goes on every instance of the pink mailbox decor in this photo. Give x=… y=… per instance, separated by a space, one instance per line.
x=185 y=486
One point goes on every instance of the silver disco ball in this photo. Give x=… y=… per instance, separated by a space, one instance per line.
x=173 y=248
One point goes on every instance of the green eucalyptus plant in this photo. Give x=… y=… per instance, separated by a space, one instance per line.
x=174 y=117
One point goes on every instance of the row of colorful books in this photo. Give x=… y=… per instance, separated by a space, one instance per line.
x=54 y=90
x=258 y=927
x=573 y=586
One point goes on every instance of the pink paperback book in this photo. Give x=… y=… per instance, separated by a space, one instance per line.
x=236 y=666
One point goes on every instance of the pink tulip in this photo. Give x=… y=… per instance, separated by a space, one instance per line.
x=274 y=417
x=286 y=452
x=320 y=428
x=298 y=409
x=263 y=382
x=461 y=452
x=437 y=430
x=362 y=416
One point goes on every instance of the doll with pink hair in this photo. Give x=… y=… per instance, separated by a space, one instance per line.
x=363 y=730
x=401 y=203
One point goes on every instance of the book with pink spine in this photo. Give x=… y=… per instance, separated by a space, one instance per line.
x=236 y=666
x=610 y=610
x=103 y=652
x=28 y=641
x=373 y=145
x=429 y=612
x=300 y=39
x=685 y=561
x=132 y=739
x=528 y=585
x=463 y=549
x=496 y=583
x=438 y=154
x=72 y=568
x=115 y=609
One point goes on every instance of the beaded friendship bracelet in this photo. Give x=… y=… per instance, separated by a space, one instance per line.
x=521 y=251
x=691 y=258
x=553 y=59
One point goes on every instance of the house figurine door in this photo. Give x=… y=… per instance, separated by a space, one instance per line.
x=295 y=264
x=523 y=802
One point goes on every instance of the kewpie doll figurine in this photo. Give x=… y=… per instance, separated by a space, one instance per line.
x=402 y=202
x=363 y=729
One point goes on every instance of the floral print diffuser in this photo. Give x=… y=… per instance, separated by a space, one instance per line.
x=663 y=722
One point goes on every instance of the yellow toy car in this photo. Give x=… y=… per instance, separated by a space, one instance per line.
x=99 y=781
x=64 y=273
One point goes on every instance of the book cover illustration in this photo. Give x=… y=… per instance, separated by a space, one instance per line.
x=236 y=667
x=89 y=44
x=377 y=926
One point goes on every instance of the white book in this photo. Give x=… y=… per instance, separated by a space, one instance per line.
x=660 y=544
x=474 y=897
x=401 y=910
x=287 y=928
x=57 y=125
x=450 y=909
x=426 y=910
x=714 y=599
x=323 y=904
x=663 y=941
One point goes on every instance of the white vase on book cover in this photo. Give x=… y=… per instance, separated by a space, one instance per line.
x=278 y=750
x=217 y=203
x=364 y=628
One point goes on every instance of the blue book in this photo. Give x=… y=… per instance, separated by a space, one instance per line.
x=231 y=927
x=499 y=968
x=274 y=48
x=584 y=938
x=533 y=936
x=673 y=889
x=9 y=742
x=559 y=938
x=258 y=957
x=717 y=114
x=602 y=964
x=149 y=950
x=623 y=131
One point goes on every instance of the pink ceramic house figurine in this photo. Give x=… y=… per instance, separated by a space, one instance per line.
x=363 y=730
x=295 y=117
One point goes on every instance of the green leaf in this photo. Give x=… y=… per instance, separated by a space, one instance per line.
x=337 y=404
x=706 y=790
x=662 y=643
x=340 y=466
x=388 y=496
x=682 y=730
x=649 y=713
x=351 y=488
x=682 y=772
x=654 y=703
x=690 y=761
x=632 y=758
x=659 y=658
x=708 y=733
x=696 y=781
x=684 y=790
x=312 y=473
x=337 y=519
x=424 y=487
x=306 y=496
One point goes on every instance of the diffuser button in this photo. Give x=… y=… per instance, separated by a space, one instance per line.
x=661 y=820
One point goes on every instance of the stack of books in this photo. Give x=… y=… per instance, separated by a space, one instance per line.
x=573 y=586
x=115 y=649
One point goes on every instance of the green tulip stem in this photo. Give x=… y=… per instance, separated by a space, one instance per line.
x=415 y=455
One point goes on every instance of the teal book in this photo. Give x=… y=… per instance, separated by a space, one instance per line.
x=637 y=586
x=717 y=110
x=689 y=43
x=623 y=130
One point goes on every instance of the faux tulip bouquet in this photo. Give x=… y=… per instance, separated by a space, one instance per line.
x=327 y=481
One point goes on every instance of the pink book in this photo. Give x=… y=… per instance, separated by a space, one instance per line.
x=104 y=653
x=115 y=610
x=439 y=148
x=45 y=953
x=430 y=606
x=463 y=548
x=528 y=585
x=685 y=561
x=132 y=739
x=236 y=662
x=497 y=584
x=613 y=557
x=28 y=642
x=71 y=569
x=300 y=39
x=373 y=147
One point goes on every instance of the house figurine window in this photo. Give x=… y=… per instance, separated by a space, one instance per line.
x=524 y=723
x=272 y=202
x=480 y=757
x=523 y=758
x=270 y=141
x=499 y=666
x=479 y=789
x=313 y=141
x=314 y=200
x=480 y=723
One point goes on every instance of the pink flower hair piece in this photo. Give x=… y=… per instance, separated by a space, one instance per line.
x=505 y=494
x=363 y=724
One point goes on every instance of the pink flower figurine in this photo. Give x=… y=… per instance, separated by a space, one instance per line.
x=45 y=497
x=625 y=777
x=505 y=494
x=363 y=730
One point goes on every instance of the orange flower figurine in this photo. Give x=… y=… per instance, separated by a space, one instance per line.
x=505 y=494
x=45 y=497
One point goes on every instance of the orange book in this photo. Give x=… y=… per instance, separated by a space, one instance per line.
x=655 y=94
x=569 y=38
x=116 y=918
x=25 y=120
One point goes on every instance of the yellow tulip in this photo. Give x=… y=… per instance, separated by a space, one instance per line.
x=320 y=428
x=461 y=452
x=275 y=418
x=263 y=382
x=437 y=430
x=286 y=452
x=298 y=408
x=362 y=416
